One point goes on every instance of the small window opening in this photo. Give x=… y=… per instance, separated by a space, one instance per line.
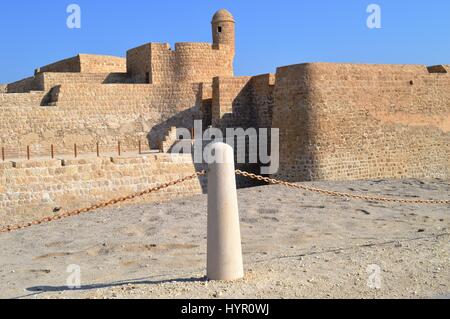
x=219 y=29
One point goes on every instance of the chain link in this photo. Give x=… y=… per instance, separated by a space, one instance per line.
x=260 y=178
x=101 y=205
x=340 y=194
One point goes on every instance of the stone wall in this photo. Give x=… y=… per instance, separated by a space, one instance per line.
x=45 y=81
x=347 y=121
x=67 y=65
x=189 y=62
x=206 y=107
x=262 y=93
x=48 y=80
x=231 y=101
x=12 y=102
x=243 y=101
x=336 y=121
x=22 y=86
x=139 y=62
x=30 y=187
x=200 y=62
x=87 y=63
x=92 y=63
x=88 y=113
x=3 y=88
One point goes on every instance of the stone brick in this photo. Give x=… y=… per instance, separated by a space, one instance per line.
x=85 y=181
x=348 y=121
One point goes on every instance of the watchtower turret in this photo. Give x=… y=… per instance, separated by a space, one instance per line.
x=223 y=29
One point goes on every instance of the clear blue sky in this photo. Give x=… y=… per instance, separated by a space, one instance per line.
x=269 y=33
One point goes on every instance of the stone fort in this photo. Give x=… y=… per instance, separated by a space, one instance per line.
x=336 y=121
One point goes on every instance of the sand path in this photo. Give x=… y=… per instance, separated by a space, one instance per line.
x=295 y=244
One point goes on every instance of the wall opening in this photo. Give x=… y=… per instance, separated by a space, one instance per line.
x=219 y=29
x=436 y=69
x=147 y=77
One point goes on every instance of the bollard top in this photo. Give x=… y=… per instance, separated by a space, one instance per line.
x=221 y=153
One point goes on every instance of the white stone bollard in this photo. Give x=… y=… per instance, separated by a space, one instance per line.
x=224 y=256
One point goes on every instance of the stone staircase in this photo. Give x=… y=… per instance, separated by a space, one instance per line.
x=171 y=139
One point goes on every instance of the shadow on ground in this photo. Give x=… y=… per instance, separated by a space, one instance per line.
x=138 y=281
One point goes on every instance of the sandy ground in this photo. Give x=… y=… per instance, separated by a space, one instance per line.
x=295 y=244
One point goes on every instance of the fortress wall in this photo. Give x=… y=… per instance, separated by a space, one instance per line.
x=243 y=101
x=40 y=186
x=232 y=102
x=86 y=113
x=46 y=81
x=189 y=62
x=163 y=64
x=139 y=63
x=3 y=88
x=22 y=86
x=87 y=63
x=206 y=107
x=14 y=101
x=263 y=88
x=292 y=116
x=91 y=63
x=67 y=65
x=344 y=121
x=200 y=62
x=83 y=68
x=152 y=63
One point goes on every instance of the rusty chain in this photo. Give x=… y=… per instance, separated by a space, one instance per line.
x=341 y=194
x=260 y=178
x=77 y=212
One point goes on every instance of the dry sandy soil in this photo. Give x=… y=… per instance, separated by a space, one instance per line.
x=295 y=244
